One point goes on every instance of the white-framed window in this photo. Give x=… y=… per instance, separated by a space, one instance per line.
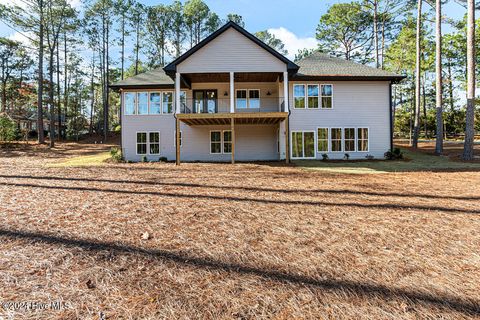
x=327 y=96
x=154 y=142
x=142 y=103
x=167 y=102
x=336 y=139
x=227 y=141
x=216 y=142
x=322 y=139
x=155 y=103
x=303 y=144
x=299 y=96
x=247 y=98
x=312 y=101
x=349 y=139
x=130 y=102
x=362 y=139
x=175 y=138
x=141 y=143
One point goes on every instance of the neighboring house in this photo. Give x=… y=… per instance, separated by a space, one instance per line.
x=232 y=97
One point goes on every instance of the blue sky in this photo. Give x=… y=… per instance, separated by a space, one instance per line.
x=293 y=21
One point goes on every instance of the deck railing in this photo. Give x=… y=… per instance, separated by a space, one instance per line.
x=222 y=105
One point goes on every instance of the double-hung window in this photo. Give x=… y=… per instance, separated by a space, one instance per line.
x=248 y=98
x=322 y=139
x=362 y=139
x=349 y=139
x=141 y=143
x=220 y=141
x=299 y=96
x=327 y=96
x=142 y=103
x=336 y=140
x=154 y=142
x=312 y=90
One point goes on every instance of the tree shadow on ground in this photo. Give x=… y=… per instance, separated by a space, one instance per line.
x=256 y=200
x=255 y=189
x=366 y=290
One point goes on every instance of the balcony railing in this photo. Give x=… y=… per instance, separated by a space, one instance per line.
x=222 y=105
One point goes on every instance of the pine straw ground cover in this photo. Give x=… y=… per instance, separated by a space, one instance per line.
x=244 y=241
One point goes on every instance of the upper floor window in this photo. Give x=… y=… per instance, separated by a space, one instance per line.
x=142 y=103
x=312 y=96
x=299 y=96
x=247 y=98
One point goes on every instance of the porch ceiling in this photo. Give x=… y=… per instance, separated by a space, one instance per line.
x=238 y=77
x=198 y=119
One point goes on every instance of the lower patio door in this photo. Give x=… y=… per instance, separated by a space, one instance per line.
x=303 y=144
x=205 y=101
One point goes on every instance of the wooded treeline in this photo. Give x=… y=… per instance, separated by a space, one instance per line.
x=63 y=72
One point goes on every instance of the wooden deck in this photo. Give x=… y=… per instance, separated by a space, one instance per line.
x=196 y=119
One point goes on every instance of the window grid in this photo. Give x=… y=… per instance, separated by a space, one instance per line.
x=150 y=102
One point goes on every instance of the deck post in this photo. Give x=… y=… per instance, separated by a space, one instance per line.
x=177 y=141
x=287 y=141
x=232 y=93
x=232 y=122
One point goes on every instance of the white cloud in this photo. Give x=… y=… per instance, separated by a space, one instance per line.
x=292 y=42
x=22 y=37
x=23 y=4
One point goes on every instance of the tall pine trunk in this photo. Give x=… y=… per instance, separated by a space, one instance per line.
x=375 y=31
x=51 y=99
x=41 y=136
x=59 y=109
x=470 y=115
x=416 y=129
x=438 y=78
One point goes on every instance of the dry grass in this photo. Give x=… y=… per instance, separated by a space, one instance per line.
x=244 y=241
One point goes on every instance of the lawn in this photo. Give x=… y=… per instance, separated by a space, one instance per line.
x=244 y=241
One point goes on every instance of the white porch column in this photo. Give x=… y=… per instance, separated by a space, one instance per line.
x=232 y=93
x=177 y=93
x=285 y=92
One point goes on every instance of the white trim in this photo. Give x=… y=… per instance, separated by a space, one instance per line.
x=223 y=141
x=173 y=101
x=304 y=96
x=321 y=96
x=328 y=140
x=368 y=139
x=210 y=142
x=147 y=143
x=247 y=99
x=307 y=105
x=149 y=92
x=303 y=144
x=341 y=140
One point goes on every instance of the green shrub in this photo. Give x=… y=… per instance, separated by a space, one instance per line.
x=117 y=128
x=144 y=159
x=395 y=154
x=116 y=154
x=8 y=130
x=324 y=157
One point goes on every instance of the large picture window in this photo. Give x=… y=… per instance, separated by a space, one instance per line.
x=155 y=103
x=322 y=139
x=303 y=144
x=327 y=96
x=130 y=103
x=362 y=139
x=167 y=103
x=336 y=134
x=312 y=91
x=141 y=143
x=142 y=103
x=299 y=96
x=349 y=139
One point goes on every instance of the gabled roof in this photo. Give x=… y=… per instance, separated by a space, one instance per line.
x=170 y=69
x=319 y=66
x=155 y=78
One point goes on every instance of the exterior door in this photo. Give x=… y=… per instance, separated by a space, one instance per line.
x=205 y=101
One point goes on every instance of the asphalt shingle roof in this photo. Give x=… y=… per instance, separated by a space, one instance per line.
x=156 y=77
x=323 y=65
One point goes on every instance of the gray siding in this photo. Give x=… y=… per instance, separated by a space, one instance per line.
x=355 y=104
x=231 y=51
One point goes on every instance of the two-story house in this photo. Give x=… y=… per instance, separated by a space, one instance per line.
x=233 y=98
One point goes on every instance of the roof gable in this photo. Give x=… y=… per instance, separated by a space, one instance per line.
x=210 y=41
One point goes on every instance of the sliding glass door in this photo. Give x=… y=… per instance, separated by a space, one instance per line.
x=303 y=144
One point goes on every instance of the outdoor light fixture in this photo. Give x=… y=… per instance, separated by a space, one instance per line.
x=225 y=93
x=269 y=93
